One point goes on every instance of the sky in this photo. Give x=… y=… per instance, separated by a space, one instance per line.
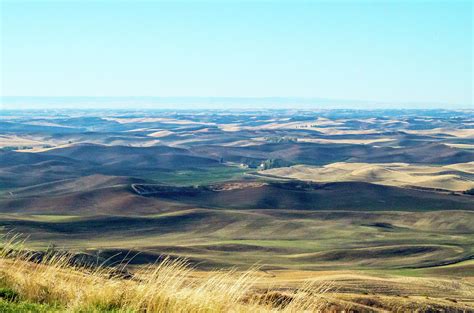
x=385 y=52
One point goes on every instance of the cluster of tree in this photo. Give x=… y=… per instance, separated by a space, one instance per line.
x=12 y=148
x=280 y=139
x=469 y=192
x=273 y=163
x=264 y=165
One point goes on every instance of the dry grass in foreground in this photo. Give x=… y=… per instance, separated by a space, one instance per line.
x=59 y=282
x=57 y=279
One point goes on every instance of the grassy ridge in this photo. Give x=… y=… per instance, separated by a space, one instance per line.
x=59 y=281
x=276 y=238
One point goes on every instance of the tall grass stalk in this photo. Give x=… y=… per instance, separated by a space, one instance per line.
x=168 y=286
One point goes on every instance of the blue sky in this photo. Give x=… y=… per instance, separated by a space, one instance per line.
x=385 y=51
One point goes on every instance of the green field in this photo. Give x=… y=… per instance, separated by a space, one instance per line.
x=198 y=176
x=294 y=240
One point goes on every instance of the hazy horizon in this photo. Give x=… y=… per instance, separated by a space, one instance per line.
x=185 y=103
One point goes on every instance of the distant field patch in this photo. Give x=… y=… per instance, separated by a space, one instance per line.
x=455 y=177
x=345 y=141
x=199 y=176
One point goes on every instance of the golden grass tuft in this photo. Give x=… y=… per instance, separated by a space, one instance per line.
x=56 y=279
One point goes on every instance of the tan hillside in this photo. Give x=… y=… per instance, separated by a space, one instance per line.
x=455 y=177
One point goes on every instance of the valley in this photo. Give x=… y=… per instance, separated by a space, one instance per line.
x=377 y=202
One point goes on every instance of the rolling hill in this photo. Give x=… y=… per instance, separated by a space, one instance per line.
x=454 y=177
x=310 y=196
